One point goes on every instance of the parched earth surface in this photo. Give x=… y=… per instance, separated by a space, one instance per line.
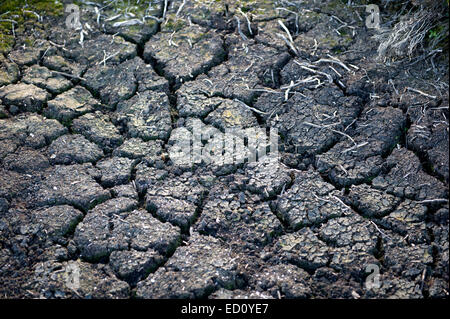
x=93 y=206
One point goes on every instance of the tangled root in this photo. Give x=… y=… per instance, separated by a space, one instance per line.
x=408 y=36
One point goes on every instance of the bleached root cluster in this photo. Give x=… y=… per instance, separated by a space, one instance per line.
x=409 y=36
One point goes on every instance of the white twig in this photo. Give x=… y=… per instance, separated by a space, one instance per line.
x=290 y=44
x=8 y=20
x=249 y=26
x=107 y=58
x=113 y=18
x=307 y=68
x=421 y=93
x=127 y=23
x=333 y=61
x=69 y=75
x=286 y=30
x=180 y=8
x=342 y=203
x=165 y=9
x=437 y=200
x=249 y=107
x=243 y=36
x=32 y=12
x=355 y=147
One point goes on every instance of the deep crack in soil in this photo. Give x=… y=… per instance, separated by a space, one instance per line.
x=89 y=190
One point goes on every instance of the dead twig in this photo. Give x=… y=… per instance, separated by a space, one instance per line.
x=68 y=75
x=421 y=93
x=180 y=8
x=250 y=108
x=249 y=26
x=243 y=36
x=379 y=230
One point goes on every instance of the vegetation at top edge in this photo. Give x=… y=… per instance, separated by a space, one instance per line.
x=15 y=14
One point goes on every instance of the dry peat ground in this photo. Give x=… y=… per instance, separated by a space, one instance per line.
x=87 y=185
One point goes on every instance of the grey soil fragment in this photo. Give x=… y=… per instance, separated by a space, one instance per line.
x=95 y=50
x=372 y=202
x=146 y=115
x=208 y=15
x=14 y=184
x=115 y=171
x=267 y=34
x=428 y=136
x=175 y=199
x=176 y=211
x=146 y=176
x=27 y=55
x=115 y=206
x=4 y=205
x=242 y=74
x=98 y=128
x=231 y=114
x=304 y=249
x=354 y=242
x=441 y=244
x=128 y=191
x=345 y=231
x=406 y=178
x=30 y=130
x=3 y=112
x=237 y=218
x=23 y=97
x=99 y=234
x=221 y=152
x=45 y=79
x=60 y=64
x=73 y=185
x=330 y=283
x=115 y=83
x=9 y=71
x=351 y=162
x=73 y=149
x=283 y=280
x=408 y=261
x=267 y=177
x=322 y=38
x=192 y=101
x=111 y=86
x=438 y=288
x=309 y=201
x=143 y=27
x=408 y=220
x=95 y=281
x=57 y=222
x=185 y=53
x=132 y=266
x=396 y=288
x=71 y=104
x=26 y=160
x=307 y=124
x=135 y=148
x=194 y=271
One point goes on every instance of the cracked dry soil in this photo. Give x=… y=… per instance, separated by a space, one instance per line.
x=87 y=183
